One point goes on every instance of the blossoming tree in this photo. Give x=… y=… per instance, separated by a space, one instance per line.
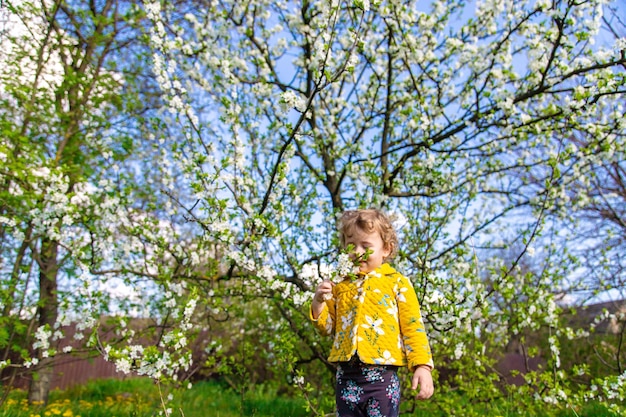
x=457 y=118
x=74 y=96
x=477 y=126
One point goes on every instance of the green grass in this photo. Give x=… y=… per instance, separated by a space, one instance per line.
x=455 y=405
x=142 y=398
x=105 y=398
x=214 y=399
x=591 y=410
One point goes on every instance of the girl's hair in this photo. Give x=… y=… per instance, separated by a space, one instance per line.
x=369 y=221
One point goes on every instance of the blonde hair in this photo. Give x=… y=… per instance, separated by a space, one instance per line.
x=369 y=221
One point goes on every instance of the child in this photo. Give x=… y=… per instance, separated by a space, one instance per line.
x=375 y=321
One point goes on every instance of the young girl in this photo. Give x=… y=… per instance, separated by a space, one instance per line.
x=374 y=318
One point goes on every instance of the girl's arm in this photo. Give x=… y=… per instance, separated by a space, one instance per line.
x=412 y=326
x=323 y=292
x=322 y=311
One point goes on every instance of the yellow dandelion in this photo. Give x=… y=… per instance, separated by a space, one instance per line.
x=85 y=404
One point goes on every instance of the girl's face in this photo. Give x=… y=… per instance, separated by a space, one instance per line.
x=368 y=242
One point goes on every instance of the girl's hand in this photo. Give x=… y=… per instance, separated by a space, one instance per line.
x=424 y=379
x=323 y=292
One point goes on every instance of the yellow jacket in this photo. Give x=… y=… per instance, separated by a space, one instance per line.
x=378 y=317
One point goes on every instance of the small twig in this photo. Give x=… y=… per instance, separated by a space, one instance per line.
x=573 y=411
x=161 y=398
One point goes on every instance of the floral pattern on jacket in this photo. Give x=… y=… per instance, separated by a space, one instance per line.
x=377 y=317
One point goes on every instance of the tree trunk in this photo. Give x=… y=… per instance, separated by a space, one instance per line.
x=47 y=312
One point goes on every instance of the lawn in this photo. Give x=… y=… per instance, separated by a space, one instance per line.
x=142 y=398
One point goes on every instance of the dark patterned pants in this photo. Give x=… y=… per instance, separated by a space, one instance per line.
x=367 y=390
